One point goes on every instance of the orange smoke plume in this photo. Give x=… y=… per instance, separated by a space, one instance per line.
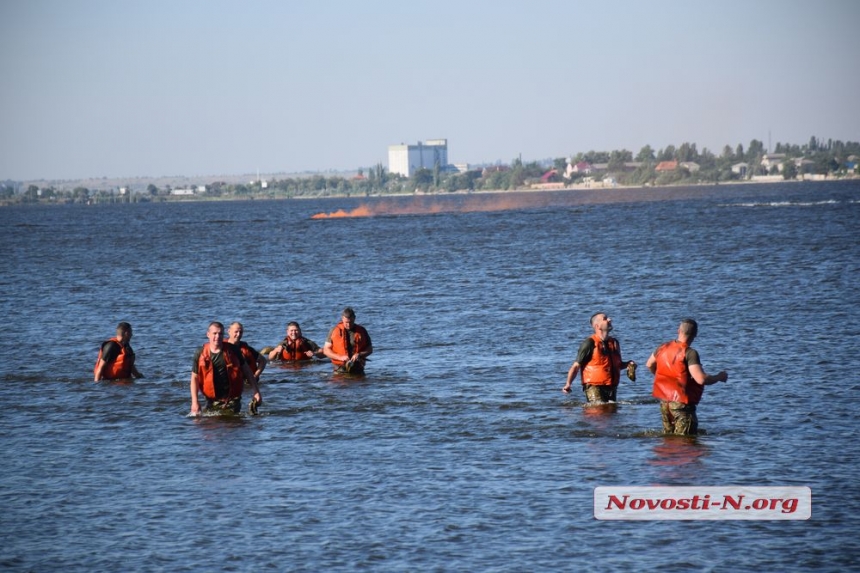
x=361 y=211
x=508 y=201
x=434 y=205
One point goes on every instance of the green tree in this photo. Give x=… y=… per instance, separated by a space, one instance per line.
x=667 y=154
x=687 y=152
x=789 y=169
x=517 y=175
x=616 y=161
x=756 y=150
x=422 y=179
x=81 y=194
x=31 y=195
x=646 y=155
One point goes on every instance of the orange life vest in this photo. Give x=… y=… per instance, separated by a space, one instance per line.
x=672 y=381
x=206 y=372
x=294 y=350
x=247 y=354
x=339 y=341
x=604 y=368
x=121 y=367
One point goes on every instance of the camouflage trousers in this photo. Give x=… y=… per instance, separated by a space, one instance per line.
x=226 y=406
x=356 y=368
x=599 y=393
x=679 y=418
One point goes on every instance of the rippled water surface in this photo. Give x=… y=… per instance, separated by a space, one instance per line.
x=457 y=451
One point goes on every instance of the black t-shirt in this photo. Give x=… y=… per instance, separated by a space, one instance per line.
x=110 y=350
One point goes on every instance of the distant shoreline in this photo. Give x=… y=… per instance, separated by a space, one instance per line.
x=439 y=194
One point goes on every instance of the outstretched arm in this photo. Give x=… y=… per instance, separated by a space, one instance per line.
x=705 y=379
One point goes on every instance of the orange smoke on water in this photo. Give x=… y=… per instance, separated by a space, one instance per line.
x=361 y=211
x=508 y=201
x=432 y=206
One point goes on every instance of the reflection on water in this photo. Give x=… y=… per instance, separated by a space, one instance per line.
x=674 y=456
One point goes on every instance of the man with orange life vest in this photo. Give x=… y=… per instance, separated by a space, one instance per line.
x=218 y=372
x=599 y=360
x=295 y=347
x=256 y=361
x=348 y=345
x=680 y=380
x=116 y=358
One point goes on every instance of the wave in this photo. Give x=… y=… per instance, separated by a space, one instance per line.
x=785 y=203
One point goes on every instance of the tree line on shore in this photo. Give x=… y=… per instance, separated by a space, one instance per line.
x=622 y=167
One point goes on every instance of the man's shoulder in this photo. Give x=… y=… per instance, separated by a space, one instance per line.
x=692 y=355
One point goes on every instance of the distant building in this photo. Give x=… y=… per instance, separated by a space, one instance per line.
x=772 y=160
x=740 y=169
x=550 y=176
x=690 y=166
x=407 y=159
x=666 y=166
x=803 y=165
x=581 y=167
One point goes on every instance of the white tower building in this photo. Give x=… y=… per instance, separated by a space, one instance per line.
x=407 y=159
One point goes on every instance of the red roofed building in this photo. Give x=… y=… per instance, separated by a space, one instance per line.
x=550 y=176
x=666 y=166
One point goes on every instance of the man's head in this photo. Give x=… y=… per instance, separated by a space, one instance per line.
x=294 y=331
x=688 y=330
x=234 y=333
x=602 y=324
x=347 y=317
x=215 y=334
x=123 y=331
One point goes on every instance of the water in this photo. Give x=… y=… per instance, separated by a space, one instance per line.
x=457 y=451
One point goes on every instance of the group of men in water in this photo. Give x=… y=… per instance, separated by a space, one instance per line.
x=679 y=379
x=222 y=367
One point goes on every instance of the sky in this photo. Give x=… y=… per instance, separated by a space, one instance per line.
x=150 y=88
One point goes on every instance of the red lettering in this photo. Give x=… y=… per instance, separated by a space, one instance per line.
x=668 y=504
x=618 y=503
x=730 y=501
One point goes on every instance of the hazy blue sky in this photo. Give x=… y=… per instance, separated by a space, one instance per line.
x=95 y=88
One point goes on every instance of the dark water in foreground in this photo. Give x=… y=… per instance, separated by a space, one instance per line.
x=457 y=452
